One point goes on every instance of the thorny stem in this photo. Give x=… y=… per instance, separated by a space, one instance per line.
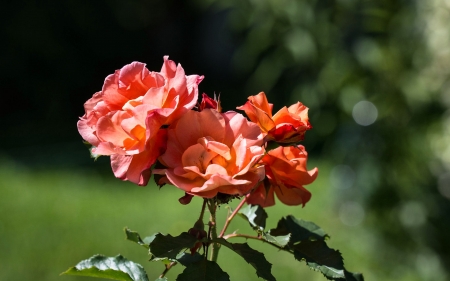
x=227 y=222
x=202 y=212
x=215 y=247
x=168 y=267
x=200 y=221
x=234 y=235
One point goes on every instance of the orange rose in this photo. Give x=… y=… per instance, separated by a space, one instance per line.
x=286 y=172
x=124 y=119
x=287 y=126
x=210 y=152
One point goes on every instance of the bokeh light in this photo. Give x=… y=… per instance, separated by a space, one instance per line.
x=412 y=214
x=351 y=213
x=365 y=113
x=342 y=177
x=444 y=185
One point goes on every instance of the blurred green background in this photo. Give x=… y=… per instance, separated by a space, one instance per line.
x=375 y=75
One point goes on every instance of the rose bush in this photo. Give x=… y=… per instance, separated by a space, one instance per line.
x=210 y=152
x=123 y=120
x=287 y=126
x=286 y=172
x=151 y=122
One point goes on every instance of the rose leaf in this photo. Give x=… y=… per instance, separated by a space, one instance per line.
x=167 y=246
x=203 y=270
x=116 y=268
x=255 y=215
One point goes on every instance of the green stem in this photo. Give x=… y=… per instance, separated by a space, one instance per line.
x=227 y=222
x=203 y=210
x=215 y=247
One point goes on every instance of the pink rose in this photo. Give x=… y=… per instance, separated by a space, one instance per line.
x=124 y=119
x=287 y=126
x=210 y=152
x=286 y=173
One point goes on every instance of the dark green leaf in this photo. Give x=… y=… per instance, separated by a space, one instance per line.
x=308 y=243
x=299 y=229
x=186 y=258
x=167 y=246
x=321 y=258
x=149 y=239
x=253 y=257
x=163 y=260
x=255 y=215
x=281 y=241
x=135 y=237
x=183 y=258
x=116 y=268
x=349 y=276
x=203 y=270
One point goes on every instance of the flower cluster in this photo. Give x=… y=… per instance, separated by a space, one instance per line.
x=152 y=122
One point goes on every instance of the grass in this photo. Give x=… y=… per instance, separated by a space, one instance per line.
x=52 y=219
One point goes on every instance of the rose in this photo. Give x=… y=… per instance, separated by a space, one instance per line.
x=210 y=152
x=287 y=126
x=286 y=173
x=124 y=119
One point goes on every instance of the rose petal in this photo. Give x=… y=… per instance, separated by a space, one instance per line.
x=293 y=196
x=139 y=168
x=239 y=125
x=217 y=147
x=109 y=128
x=261 y=197
x=87 y=132
x=197 y=155
x=195 y=125
x=120 y=164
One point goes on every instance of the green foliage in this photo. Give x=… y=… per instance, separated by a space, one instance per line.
x=255 y=215
x=298 y=229
x=186 y=259
x=253 y=257
x=307 y=243
x=117 y=268
x=167 y=246
x=319 y=257
x=135 y=237
x=279 y=240
x=305 y=240
x=203 y=270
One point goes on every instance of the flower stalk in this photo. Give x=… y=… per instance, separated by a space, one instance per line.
x=215 y=247
x=168 y=267
x=233 y=214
